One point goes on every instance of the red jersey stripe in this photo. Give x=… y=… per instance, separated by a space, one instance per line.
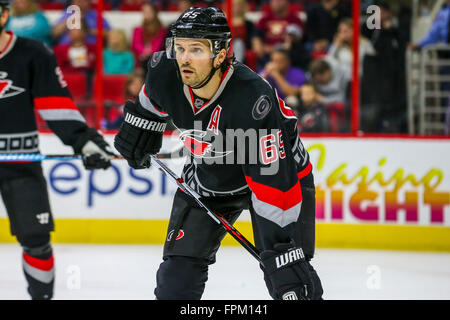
x=46 y=103
x=286 y=110
x=44 y=265
x=283 y=200
x=11 y=36
x=305 y=171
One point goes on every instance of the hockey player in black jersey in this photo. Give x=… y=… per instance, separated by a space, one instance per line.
x=30 y=81
x=244 y=153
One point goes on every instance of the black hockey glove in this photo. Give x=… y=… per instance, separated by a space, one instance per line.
x=139 y=136
x=96 y=152
x=289 y=273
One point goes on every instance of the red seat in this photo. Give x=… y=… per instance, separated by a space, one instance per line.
x=172 y=7
x=336 y=111
x=296 y=7
x=51 y=6
x=77 y=85
x=137 y=7
x=250 y=59
x=265 y=8
x=114 y=88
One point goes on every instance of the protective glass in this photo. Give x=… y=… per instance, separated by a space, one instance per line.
x=189 y=49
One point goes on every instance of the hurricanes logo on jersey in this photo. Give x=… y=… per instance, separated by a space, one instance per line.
x=194 y=141
x=6 y=87
x=179 y=235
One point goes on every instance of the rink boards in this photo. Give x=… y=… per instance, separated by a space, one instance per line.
x=380 y=193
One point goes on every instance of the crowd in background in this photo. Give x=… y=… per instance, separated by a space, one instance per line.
x=308 y=58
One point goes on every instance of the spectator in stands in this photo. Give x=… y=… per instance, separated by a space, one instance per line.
x=116 y=4
x=133 y=86
x=117 y=57
x=342 y=48
x=285 y=78
x=439 y=31
x=312 y=114
x=322 y=23
x=271 y=29
x=330 y=80
x=77 y=55
x=26 y=20
x=300 y=56
x=149 y=37
x=243 y=30
x=384 y=83
x=60 y=29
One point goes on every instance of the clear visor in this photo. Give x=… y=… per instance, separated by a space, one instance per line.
x=189 y=49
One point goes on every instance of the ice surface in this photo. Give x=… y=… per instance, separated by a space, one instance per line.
x=128 y=272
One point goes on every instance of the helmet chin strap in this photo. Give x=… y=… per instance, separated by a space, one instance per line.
x=208 y=78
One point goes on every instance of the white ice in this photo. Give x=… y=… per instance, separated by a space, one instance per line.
x=128 y=272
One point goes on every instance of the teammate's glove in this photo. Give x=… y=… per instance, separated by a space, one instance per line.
x=96 y=152
x=290 y=274
x=140 y=135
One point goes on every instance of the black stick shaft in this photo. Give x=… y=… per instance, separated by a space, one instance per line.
x=216 y=217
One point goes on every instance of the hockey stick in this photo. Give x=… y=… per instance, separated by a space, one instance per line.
x=36 y=157
x=219 y=219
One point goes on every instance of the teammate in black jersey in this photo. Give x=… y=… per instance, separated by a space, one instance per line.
x=244 y=153
x=30 y=81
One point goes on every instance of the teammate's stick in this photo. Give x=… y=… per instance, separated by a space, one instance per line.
x=219 y=219
x=36 y=157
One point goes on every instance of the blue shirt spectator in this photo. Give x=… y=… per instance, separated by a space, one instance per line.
x=117 y=58
x=27 y=21
x=439 y=29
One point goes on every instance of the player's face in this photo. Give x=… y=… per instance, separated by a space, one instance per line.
x=3 y=19
x=194 y=60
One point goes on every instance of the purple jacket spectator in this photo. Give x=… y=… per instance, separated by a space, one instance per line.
x=89 y=17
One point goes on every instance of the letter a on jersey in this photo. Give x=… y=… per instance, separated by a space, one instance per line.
x=214 y=121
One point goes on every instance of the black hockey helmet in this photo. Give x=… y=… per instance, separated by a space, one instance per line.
x=201 y=23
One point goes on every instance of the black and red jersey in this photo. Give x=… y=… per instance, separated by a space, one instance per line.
x=226 y=157
x=30 y=80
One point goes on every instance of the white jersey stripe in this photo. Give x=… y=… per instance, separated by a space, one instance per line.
x=61 y=115
x=147 y=104
x=275 y=214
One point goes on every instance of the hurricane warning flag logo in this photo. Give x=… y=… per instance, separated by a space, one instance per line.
x=194 y=141
x=6 y=87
